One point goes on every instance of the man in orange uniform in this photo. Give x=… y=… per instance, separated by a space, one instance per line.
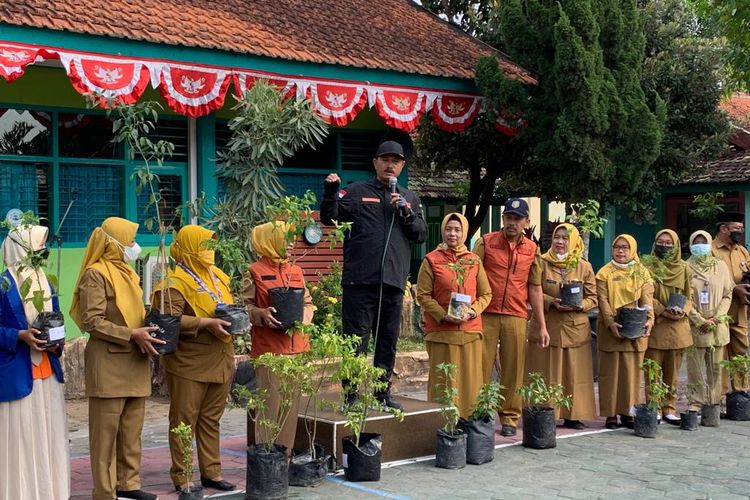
x=512 y=263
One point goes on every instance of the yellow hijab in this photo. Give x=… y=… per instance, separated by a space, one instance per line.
x=702 y=267
x=575 y=246
x=461 y=248
x=20 y=242
x=104 y=253
x=624 y=283
x=677 y=276
x=189 y=249
x=268 y=241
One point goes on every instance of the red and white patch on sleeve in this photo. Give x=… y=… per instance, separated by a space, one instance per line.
x=342 y=193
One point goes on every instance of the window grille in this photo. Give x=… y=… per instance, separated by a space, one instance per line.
x=98 y=189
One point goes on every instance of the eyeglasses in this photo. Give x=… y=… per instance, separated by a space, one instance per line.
x=621 y=247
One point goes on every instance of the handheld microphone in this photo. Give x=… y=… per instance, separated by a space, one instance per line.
x=392 y=183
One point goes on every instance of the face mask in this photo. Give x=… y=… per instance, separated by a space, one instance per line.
x=561 y=256
x=700 y=249
x=131 y=254
x=661 y=251
x=736 y=236
x=207 y=257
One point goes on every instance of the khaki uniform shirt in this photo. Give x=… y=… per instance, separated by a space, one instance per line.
x=737 y=260
x=667 y=333
x=115 y=366
x=607 y=342
x=719 y=287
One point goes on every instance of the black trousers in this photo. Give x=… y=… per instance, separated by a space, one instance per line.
x=360 y=317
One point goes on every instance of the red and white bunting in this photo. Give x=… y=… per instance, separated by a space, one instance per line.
x=400 y=109
x=510 y=126
x=244 y=81
x=15 y=58
x=121 y=80
x=192 y=90
x=455 y=112
x=337 y=104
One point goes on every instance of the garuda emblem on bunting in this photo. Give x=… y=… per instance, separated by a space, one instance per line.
x=453 y=112
x=193 y=91
x=14 y=59
x=337 y=104
x=121 y=80
x=401 y=109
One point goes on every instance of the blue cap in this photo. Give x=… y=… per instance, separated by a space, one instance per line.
x=517 y=206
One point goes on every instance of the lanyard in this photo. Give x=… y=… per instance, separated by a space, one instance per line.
x=202 y=284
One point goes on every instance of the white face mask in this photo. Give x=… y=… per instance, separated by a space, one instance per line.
x=131 y=254
x=561 y=256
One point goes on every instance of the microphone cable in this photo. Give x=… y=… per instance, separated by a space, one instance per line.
x=382 y=273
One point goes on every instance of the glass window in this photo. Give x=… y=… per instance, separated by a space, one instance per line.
x=24 y=186
x=322 y=157
x=24 y=132
x=86 y=136
x=297 y=184
x=175 y=131
x=96 y=191
x=170 y=187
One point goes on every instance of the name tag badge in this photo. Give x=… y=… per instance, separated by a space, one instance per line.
x=575 y=289
x=704 y=297
x=57 y=333
x=370 y=200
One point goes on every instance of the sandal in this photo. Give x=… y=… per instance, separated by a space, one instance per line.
x=573 y=424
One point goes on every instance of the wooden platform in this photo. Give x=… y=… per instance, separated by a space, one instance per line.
x=412 y=438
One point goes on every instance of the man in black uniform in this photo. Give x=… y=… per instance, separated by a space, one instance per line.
x=381 y=213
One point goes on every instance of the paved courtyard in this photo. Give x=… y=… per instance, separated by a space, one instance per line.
x=711 y=463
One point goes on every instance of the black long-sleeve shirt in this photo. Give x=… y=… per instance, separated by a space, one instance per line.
x=367 y=204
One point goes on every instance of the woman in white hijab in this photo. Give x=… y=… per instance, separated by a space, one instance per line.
x=34 y=459
x=712 y=286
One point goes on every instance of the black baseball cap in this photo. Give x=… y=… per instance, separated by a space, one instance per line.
x=516 y=206
x=390 y=148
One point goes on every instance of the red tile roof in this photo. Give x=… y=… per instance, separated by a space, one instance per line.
x=738 y=109
x=395 y=35
x=732 y=166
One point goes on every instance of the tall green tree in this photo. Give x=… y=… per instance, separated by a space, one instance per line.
x=592 y=132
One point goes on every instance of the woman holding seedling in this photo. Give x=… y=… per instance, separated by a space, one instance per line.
x=567 y=360
x=623 y=287
x=453 y=290
x=34 y=461
x=200 y=372
x=712 y=288
x=672 y=302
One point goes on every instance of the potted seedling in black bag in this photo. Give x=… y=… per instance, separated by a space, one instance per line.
x=188 y=491
x=571 y=291
x=460 y=303
x=633 y=319
x=132 y=126
x=540 y=401
x=451 y=441
x=738 y=402
x=645 y=423
x=480 y=427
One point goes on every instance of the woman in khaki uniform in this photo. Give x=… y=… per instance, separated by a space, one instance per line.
x=620 y=283
x=108 y=305
x=567 y=360
x=452 y=339
x=200 y=372
x=671 y=332
x=712 y=286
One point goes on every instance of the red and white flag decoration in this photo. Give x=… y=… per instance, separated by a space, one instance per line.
x=455 y=112
x=192 y=90
x=400 y=109
x=15 y=58
x=337 y=104
x=121 y=80
x=195 y=90
x=245 y=81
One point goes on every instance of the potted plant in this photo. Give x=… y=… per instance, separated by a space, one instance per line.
x=451 y=440
x=309 y=467
x=296 y=213
x=480 y=426
x=268 y=462
x=571 y=291
x=658 y=270
x=540 y=401
x=585 y=216
x=51 y=324
x=184 y=433
x=132 y=126
x=738 y=402
x=633 y=319
x=362 y=451
x=460 y=303
x=645 y=421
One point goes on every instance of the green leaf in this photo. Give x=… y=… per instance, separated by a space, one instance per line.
x=25 y=288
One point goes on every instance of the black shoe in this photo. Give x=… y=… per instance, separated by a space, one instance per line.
x=573 y=424
x=387 y=400
x=137 y=494
x=611 y=423
x=217 y=485
x=507 y=430
x=627 y=421
x=352 y=398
